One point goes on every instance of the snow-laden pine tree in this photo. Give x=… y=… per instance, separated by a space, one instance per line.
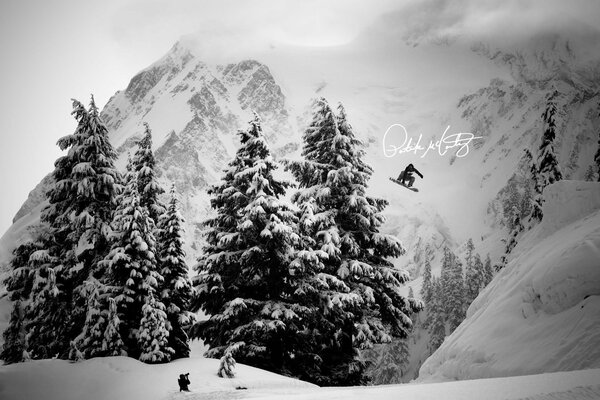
x=392 y=363
x=89 y=343
x=177 y=288
x=547 y=164
x=590 y=174
x=488 y=271
x=445 y=278
x=144 y=165
x=134 y=278
x=512 y=237
x=426 y=287
x=152 y=334
x=435 y=322
x=77 y=225
x=47 y=307
x=549 y=170
x=112 y=344
x=18 y=284
x=479 y=277
x=365 y=307
x=247 y=278
x=455 y=295
x=536 y=196
x=472 y=274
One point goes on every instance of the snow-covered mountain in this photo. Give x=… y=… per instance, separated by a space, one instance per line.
x=497 y=92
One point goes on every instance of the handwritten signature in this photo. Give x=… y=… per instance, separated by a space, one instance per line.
x=445 y=143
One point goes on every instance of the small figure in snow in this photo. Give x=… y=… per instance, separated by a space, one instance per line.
x=184 y=381
x=226 y=366
x=406 y=175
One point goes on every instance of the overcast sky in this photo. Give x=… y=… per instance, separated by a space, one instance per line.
x=56 y=50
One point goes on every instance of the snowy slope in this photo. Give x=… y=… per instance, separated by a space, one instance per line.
x=542 y=312
x=124 y=378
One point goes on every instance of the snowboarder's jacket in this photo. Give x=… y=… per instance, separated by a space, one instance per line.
x=409 y=170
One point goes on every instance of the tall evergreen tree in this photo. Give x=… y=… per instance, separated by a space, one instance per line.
x=488 y=271
x=435 y=322
x=75 y=236
x=246 y=271
x=152 y=335
x=473 y=277
x=134 y=278
x=392 y=363
x=517 y=228
x=536 y=197
x=144 y=165
x=455 y=295
x=426 y=287
x=177 y=290
x=479 y=277
x=18 y=284
x=89 y=343
x=333 y=178
x=549 y=170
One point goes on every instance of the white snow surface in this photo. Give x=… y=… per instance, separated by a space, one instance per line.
x=542 y=312
x=125 y=378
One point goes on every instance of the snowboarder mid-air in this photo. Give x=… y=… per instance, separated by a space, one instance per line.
x=184 y=381
x=407 y=175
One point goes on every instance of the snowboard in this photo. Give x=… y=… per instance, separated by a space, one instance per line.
x=400 y=183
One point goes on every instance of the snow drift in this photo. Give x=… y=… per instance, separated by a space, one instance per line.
x=542 y=312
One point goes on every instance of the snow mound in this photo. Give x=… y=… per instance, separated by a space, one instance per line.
x=542 y=312
x=113 y=378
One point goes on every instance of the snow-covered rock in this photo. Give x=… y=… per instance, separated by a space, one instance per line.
x=542 y=312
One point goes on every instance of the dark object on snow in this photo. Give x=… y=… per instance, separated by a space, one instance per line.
x=406 y=175
x=184 y=381
x=241 y=388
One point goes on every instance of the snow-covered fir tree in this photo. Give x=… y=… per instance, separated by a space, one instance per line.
x=590 y=174
x=75 y=229
x=177 y=289
x=134 y=277
x=392 y=363
x=488 y=271
x=426 y=287
x=435 y=322
x=547 y=162
x=112 y=344
x=536 y=197
x=246 y=272
x=18 y=284
x=152 y=334
x=144 y=165
x=517 y=228
x=455 y=294
x=473 y=274
x=549 y=171
x=367 y=308
x=445 y=278
x=479 y=274
x=89 y=343
x=47 y=306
